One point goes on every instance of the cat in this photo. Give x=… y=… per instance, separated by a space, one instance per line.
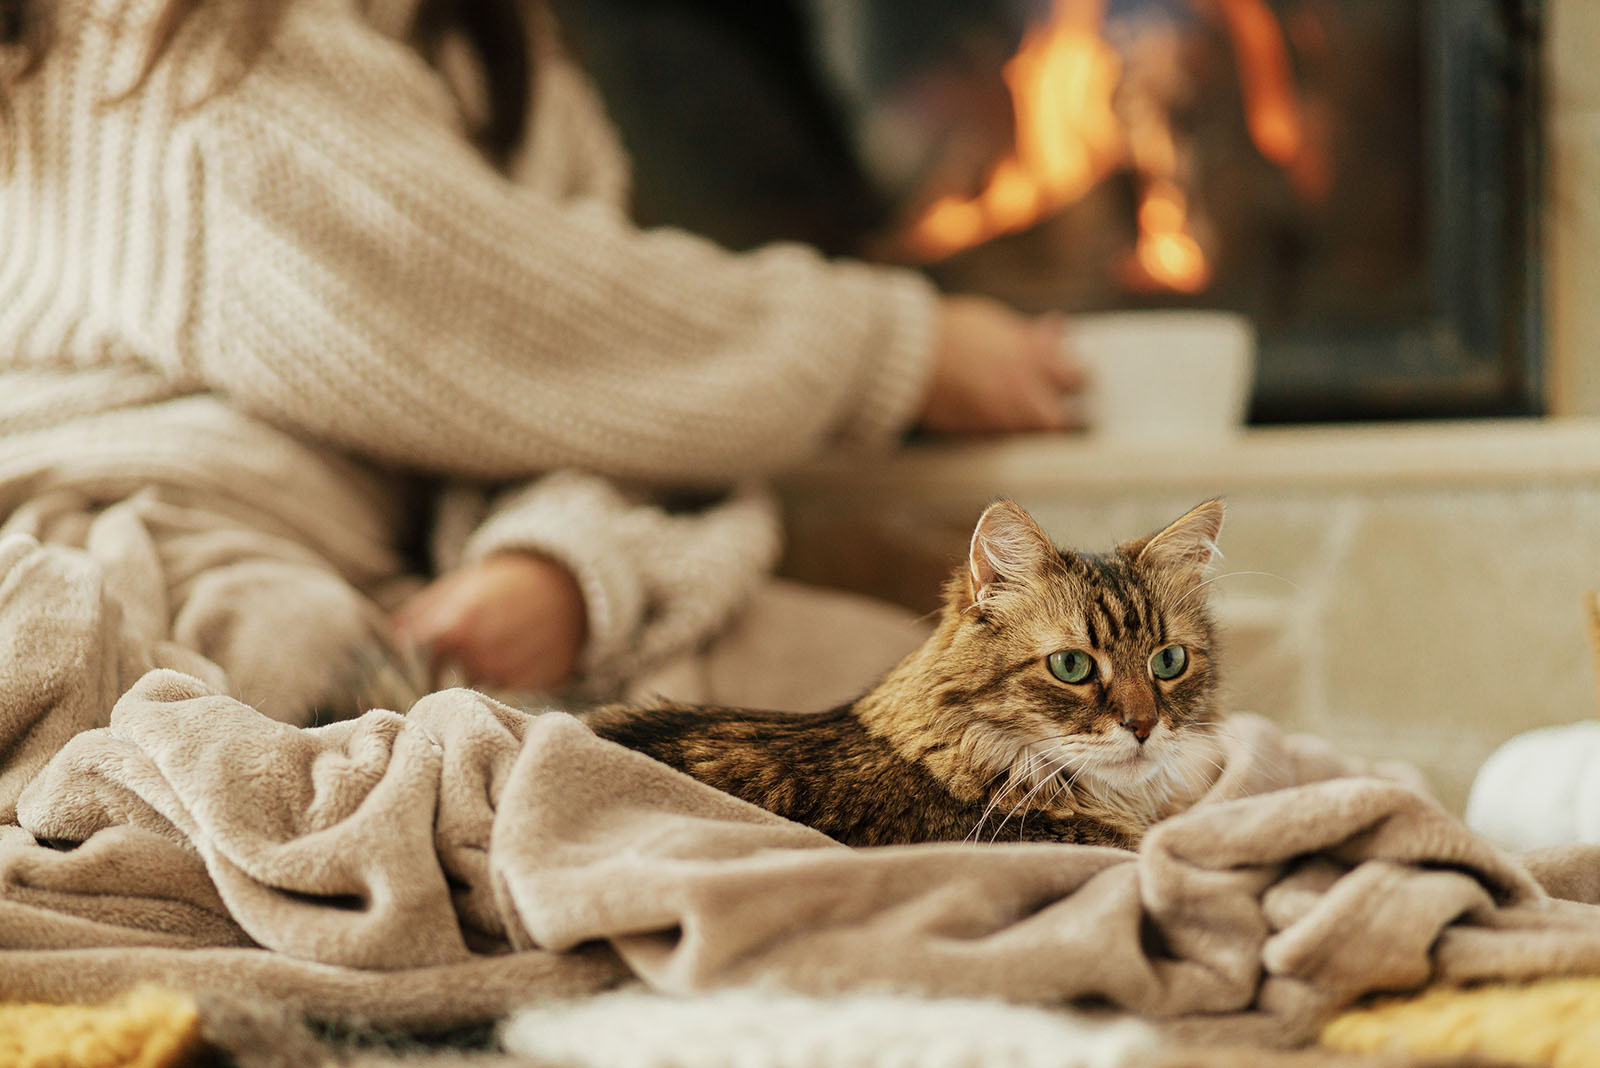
x=1063 y=697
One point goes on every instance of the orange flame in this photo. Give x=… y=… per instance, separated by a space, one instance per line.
x=1167 y=252
x=1270 y=107
x=1069 y=136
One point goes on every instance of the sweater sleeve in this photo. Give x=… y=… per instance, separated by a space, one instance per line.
x=377 y=285
x=655 y=583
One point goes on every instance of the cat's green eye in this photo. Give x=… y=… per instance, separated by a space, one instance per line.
x=1071 y=665
x=1169 y=662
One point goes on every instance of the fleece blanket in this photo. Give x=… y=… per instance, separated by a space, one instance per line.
x=453 y=862
x=449 y=864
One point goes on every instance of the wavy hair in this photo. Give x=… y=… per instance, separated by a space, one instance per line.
x=25 y=29
x=496 y=30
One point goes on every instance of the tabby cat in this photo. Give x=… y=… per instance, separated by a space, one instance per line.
x=1065 y=696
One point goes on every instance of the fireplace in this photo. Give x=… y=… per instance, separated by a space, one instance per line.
x=1356 y=176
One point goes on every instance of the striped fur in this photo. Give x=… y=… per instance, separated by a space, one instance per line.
x=972 y=736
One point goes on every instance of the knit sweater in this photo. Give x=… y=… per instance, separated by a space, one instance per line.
x=318 y=247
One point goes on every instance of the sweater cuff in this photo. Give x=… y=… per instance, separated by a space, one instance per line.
x=574 y=528
x=898 y=368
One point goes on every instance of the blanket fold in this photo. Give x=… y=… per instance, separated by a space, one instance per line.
x=320 y=842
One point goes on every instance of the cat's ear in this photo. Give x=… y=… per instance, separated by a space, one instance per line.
x=1189 y=544
x=1007 y=545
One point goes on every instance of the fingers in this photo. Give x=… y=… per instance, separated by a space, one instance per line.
x=1052 y=347
x=1056 y=378
x=422 y=619
x=1045 y=409
x=514 y=621
x=999 y=371
x=462 y=644
x=1065 y=372
x=504 y=662
x=427 y=624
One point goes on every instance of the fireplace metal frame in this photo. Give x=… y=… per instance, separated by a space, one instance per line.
x=1478 y=350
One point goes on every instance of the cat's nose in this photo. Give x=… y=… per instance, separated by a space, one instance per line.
x=1140 y=725
x=1137 y=706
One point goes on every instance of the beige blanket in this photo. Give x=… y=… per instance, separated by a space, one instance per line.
x=448 y=864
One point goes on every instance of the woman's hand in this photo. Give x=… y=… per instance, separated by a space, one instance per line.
x=514 y=620
x=997 y=370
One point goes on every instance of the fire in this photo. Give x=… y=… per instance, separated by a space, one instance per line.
x=1073 y=129
x=1166 y=252
x=1269 y=97
x=1068 y=137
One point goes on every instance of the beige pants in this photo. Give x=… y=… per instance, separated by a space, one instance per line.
x=94 y=593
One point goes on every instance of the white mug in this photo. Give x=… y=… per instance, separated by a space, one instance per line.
x=1160 y=376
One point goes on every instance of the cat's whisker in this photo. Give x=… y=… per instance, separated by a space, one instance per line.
x=1053 y=774
x=976 y=834
x=1063 y=784
x=1201 y=727
x=1209 y=737
x=1232 y=574
x=1202 y=743
x=1210 y=757
x=1187 y=776
x=1003 y=771
x=1021 y=804
x=1072 y=780
x=1061 y=758
x=977 y=829
x=1019 y=774
x=1011 y=772
x=1204 y=739
x=1206 y=781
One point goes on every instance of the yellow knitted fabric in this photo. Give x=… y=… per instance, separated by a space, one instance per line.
x=1553 y=1022
x=145 y=1028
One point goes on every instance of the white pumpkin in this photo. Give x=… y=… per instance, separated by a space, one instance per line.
x=1541 y=788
